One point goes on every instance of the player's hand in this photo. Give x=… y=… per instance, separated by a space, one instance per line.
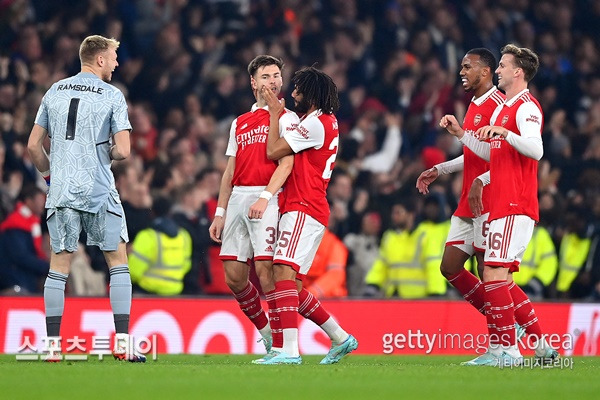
x=475 y=197
x=216 y=228
x=450 y=123
x=275 y=106
x=257 y=210
x=425 y=179
x=487 y=132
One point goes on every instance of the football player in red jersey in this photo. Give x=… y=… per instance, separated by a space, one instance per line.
x=304 y=208
x=467 y=234
x=249 y=192
x=513 y=145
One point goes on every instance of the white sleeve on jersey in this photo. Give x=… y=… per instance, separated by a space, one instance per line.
x=287 y=122
x=529 y=122
x=232 y=145
x=482 y=149
x=485 y=178
x=448 y=167
x=495 y=113
x=309 y=133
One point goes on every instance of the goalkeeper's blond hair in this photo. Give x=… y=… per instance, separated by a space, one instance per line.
x=93 y=45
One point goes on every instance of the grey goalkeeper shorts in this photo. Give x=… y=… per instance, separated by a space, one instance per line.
x=104 y=229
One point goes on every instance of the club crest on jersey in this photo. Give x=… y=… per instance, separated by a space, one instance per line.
x=477 y=119
x=504 y=120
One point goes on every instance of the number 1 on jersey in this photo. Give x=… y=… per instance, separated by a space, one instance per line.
x=72 y=118
x=328 y=170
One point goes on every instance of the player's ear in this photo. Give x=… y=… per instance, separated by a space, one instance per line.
x=253 y=83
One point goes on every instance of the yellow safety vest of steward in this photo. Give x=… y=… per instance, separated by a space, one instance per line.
x=158 y=262
x=409 y=262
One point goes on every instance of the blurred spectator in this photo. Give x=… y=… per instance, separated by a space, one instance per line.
x=23 y=262
x=573 y=279
x=189 y=213
x=539 y=265
x=160 y=255
x=363 y=250
x=327 y=275
x=410 y=255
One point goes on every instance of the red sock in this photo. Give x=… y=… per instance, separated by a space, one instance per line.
x=524 y=312
x=249 y=301
x=500 y=313
x=286 y=299
x=470 y=287
x=311 y=308
x=276 y=330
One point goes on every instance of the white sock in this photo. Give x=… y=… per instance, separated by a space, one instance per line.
x=334 y=331
x=541 y=347
x=53 y=344
x=512 y=351
x=266 y=332
x=290 y=342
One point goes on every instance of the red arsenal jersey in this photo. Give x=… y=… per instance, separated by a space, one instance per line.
x=314 y=141
x=514 y=176
x=478 y=114
x=248 y=144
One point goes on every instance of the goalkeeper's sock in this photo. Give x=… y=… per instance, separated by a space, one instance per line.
x=274 y=321
x=120 y=296
x=524 y=312
x=470 y=287
x=249 y=302
x=286 y=295
x=310 y=308
x=54 y=301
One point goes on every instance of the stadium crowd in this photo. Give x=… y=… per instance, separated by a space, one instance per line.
x=395 y=62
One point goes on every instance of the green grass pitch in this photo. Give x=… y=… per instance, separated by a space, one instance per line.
x=173 y=377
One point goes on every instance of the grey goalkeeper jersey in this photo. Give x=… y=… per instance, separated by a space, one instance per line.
x=81 y=113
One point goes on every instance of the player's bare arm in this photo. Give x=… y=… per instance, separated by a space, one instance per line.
x=277 y=147
x=277 y=180
x=430 y=175
x=425 y=179
x=216 y=227
x=35 y=146
x=476 y=197
x=121 y=146
x=450 y=123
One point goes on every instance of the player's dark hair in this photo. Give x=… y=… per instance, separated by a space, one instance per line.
x=318 y=89
x=263 y=61
x=486 y=57
x=525 y=59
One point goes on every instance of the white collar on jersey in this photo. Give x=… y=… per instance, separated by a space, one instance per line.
x=315 y=113
x=256 y=107
x=509 y=103
x=479 y=100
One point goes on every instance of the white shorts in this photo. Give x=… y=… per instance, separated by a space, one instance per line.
x=508 y=240
x=244 y=238
x=299 y=238
x=468 y=234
